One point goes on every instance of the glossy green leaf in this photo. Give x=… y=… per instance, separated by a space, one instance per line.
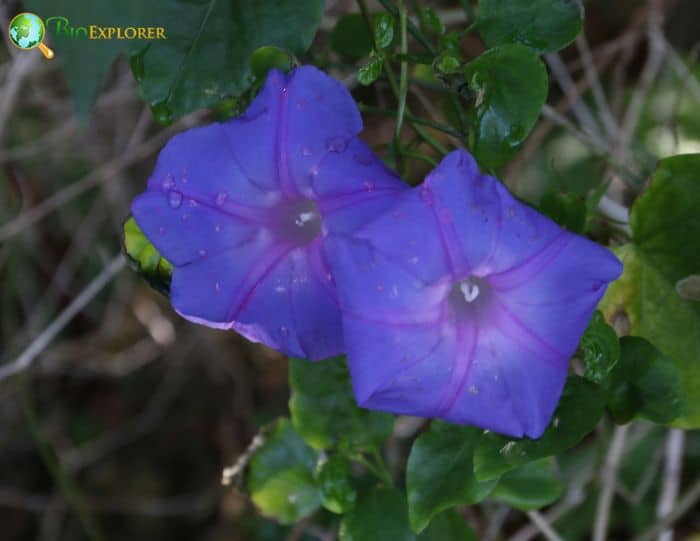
x=144 y=258
x=645 y=384
x=510 y=85
x=448 y=526
x=579 y=410
x=531 y=486
x=543 y=25
x=324 y=410
x=600 y=349
x=280 y=477
x=644 y=300
x=383 y=27
x=351 y=38
x=370 y=72
x=440 y=472
x=567 y=209
x=379 y=516
x=448 y=63
x=334 y=481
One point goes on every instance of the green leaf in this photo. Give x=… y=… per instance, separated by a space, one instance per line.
x=206 y=57
x=440 y=472
x=448 y=526
x=144 y=258
x=543 y=25
x=369 y=73
x=351 y=37
x=280 y=479
x=324 y=411
x=379 y=516
x=448 y=63
x=600 y=348
x=531 y=486
x=86 y=62
x=510 y=84
x=430 y=21
x=579 y=410
x=644 y=300
x=383 y=27
x=567 y=209
x=333 y=478
x=645 y=384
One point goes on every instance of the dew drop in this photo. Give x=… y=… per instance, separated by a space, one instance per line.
x=280 y=289
x=284 y=331
x=336 y=144
x=473 y=389
x=306 y=151
x=168 y=183
x=380 y=287
x=414 y=260
x=555 y=422
x=202 y=253
x=193 y=203
x=221 y=198
x=217 y=228
x=161 y=230
x=369 y=185
x=217 y=287
x=174 y=199
x=185 y=217
x=511 y=212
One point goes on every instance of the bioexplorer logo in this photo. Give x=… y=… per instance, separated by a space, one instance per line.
x=27 y=31
x=61 y=27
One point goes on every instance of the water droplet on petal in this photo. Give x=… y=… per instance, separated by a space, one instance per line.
x=380 y=287
x=221 y=198
x=217 y=228
x=306 y=151
x=336 y=144
x=414 y=260
x=174 y=199
x=511 y=212
x=284 y=331
x=473 y=389
x=369 y=185
x=161 y=230
x=168 y=183
x=193 y=203
x=185 y=217
x=202 y=253
x=217 y=287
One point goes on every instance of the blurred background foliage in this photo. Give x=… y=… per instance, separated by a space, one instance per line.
x=120 y=425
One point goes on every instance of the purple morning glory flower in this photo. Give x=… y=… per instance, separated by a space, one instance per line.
x=461 y=303
x=243 y=208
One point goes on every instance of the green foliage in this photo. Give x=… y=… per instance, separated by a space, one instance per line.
x=531 y=486
x=334 y=481
x=351 y=37
x=205 y=58
x=379 y=516
x=370 y=72
x=510 y=85
x=644 y=384
x=430 y=21
x=448 y=526
x=383 y=28
x=579 y=410
x=144 y=258
x=567 y=209
x=600 y=349
x=543 y=25
x=440 y=472
x=645 y=299
x=324 y=411
x=280 y=477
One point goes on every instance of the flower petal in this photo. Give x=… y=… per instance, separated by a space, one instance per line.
x=483 y=227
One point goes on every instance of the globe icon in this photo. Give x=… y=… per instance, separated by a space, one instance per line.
x=27 y=31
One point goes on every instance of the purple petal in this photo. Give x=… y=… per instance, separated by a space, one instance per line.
x=242 y=210
x=481 y=331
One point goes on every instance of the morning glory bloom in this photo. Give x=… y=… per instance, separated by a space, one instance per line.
x=461 y=303
x=243 y=208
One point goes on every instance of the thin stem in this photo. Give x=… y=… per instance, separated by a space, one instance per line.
x=412 y=28
x=672 y=477
x=403 y=80
x=543 y=526
x=609 y=478
x=687 y=501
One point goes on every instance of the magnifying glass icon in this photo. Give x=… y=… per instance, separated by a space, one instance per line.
x=27 y=31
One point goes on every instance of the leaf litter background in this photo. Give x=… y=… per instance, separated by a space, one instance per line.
x=122 y=425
